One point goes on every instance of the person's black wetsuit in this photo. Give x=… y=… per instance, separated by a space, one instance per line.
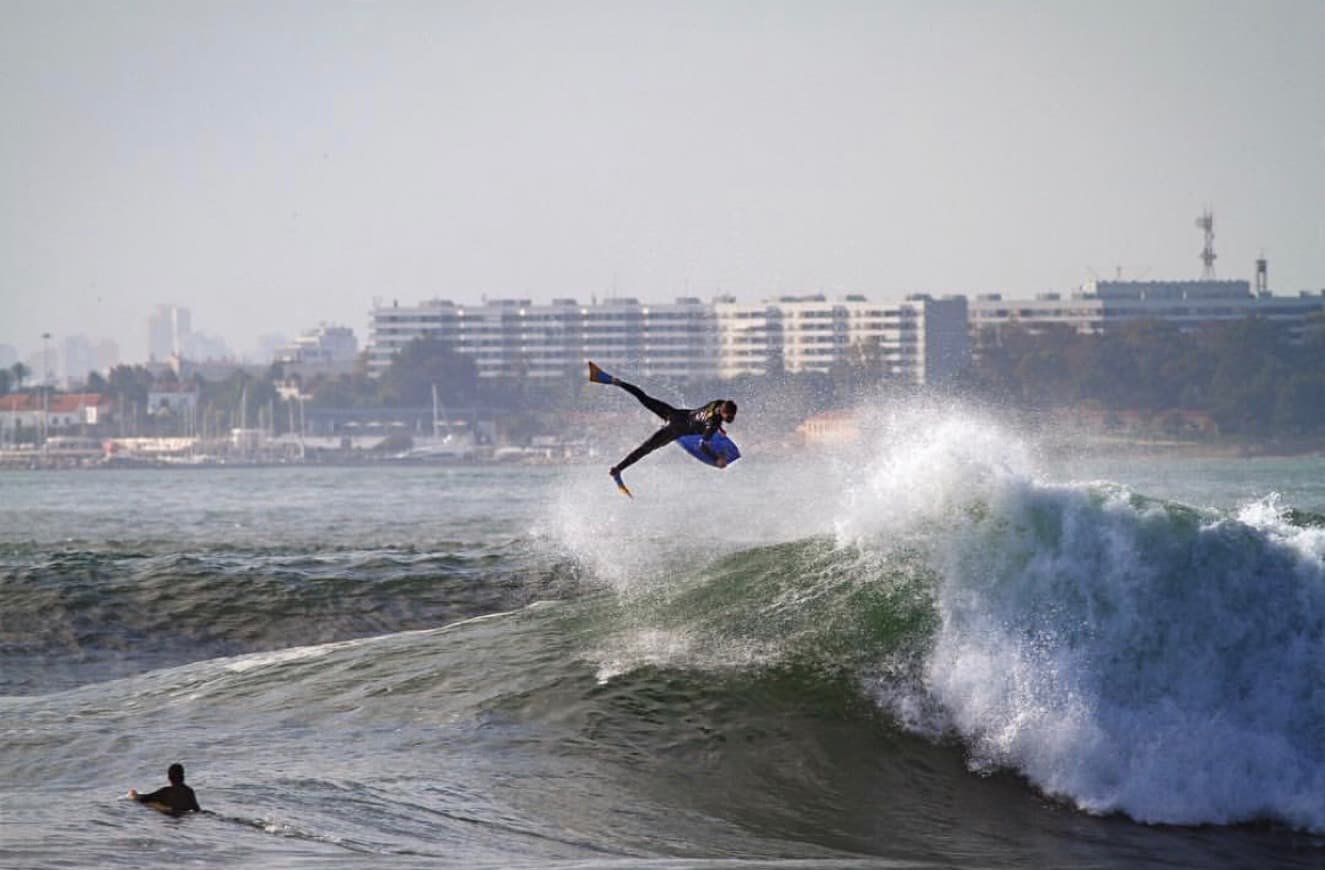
x=702 y=421
x=176 y=799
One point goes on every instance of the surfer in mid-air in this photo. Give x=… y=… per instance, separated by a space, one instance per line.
x=703 y=421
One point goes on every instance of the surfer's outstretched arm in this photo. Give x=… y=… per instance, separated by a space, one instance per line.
x=718 y=459
x=175 y=798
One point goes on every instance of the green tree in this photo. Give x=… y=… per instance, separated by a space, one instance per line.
x=241 y=398
x=1299 y=404
x=1252 y=376
x=426 y=362
x=130 y=384
x=19 y=371
x=355 y=390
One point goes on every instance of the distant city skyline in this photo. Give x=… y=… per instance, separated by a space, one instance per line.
x=168 y=332
x=273 y=167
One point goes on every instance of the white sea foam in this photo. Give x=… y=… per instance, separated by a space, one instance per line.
x=684 y=515
x=1128 y=655
x=920 y=461
x=253 y=661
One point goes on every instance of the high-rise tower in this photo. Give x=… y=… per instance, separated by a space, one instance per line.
x=168 y=332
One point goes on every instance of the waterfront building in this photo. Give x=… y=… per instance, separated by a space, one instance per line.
x=749 y=337
x=326 y=350
x=517 y=338
x=814 y=332
x=393 y=327
x=59 y=412
x=1102 y=306
x=544 y=339
x=675 y=340
x=918 y=341
x=504 y=337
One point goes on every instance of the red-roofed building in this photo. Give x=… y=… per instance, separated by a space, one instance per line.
x=63 y=412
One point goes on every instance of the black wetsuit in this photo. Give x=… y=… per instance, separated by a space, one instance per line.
x=702 y=421
x=175 y=799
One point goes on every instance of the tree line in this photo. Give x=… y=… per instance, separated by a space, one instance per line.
x=1254 y=376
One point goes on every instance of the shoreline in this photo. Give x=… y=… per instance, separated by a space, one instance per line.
x=1057 y=447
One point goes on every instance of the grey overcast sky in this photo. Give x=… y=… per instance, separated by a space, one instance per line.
x=274 y=165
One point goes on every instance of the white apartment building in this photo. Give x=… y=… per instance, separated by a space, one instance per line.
x=932 y=338
x=395 y=326
x=516 y=338
x=749 y=337
x=1100 y=306
x=814 y=332
x=918 y=341
x=325 y=350
x=677 y=340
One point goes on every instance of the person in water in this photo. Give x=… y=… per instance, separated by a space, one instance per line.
x=176 y=798
x=702 y=421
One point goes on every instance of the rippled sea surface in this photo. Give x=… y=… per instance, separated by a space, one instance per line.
x=938 y=651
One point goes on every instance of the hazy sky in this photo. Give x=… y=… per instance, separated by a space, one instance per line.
x=273 y=165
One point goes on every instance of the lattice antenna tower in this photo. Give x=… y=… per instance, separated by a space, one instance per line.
x=1206 y=223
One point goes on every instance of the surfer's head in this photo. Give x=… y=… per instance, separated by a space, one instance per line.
x=728 y=411
x=175 y=774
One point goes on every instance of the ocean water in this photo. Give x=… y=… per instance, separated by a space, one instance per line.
x=940 y=648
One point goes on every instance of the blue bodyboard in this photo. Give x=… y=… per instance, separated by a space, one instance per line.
x=720 y=444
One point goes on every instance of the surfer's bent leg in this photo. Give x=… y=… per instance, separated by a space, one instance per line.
x=664 y=436
x=662 y=409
